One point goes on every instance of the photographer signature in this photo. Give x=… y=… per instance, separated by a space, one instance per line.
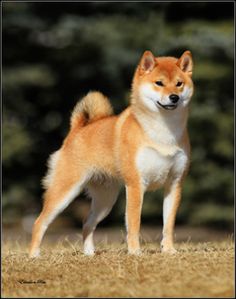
x=39 y=281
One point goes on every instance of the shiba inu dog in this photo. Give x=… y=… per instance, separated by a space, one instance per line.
x=145 y=147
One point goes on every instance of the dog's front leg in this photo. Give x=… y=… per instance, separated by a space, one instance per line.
x=134 y=200
x=170 y=206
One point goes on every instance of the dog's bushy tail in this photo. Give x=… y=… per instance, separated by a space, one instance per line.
x=92 y=107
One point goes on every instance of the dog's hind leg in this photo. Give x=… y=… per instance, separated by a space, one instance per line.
x=103 y=199
x=58 y=196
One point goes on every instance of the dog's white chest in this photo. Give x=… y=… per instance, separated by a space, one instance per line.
x=155 y=168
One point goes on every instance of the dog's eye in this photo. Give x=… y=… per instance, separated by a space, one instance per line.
x=159 y=83
x=179 y=84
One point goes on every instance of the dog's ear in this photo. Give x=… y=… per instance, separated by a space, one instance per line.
x=185 y=62
x=147 y=62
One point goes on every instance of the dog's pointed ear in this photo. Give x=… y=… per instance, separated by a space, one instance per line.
x=147 y=62
x=185 y=62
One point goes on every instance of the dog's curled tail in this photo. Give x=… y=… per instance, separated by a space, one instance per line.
x=92 y=107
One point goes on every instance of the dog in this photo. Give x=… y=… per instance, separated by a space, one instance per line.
x=146 y=147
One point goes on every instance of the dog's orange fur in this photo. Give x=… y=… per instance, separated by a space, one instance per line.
x=101 y=143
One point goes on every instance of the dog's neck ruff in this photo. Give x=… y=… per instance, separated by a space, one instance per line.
x=163 y=127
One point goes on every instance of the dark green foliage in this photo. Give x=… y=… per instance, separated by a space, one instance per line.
x=54 y=53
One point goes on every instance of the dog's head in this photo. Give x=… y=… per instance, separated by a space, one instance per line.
x=163 y=83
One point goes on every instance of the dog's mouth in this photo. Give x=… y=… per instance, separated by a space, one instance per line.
x=167 y=107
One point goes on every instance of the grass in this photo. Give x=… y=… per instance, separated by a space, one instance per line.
x=198 y=270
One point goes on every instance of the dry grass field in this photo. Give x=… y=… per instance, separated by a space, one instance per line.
x=200 y=269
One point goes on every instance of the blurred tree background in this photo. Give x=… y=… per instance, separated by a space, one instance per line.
x=54 y=53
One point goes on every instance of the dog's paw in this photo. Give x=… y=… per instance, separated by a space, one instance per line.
x=168 y=250
x=135 y=251
x=89 y=251
x=167 y=246
x=34 y=253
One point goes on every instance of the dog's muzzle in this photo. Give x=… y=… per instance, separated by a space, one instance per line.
x=168 y=107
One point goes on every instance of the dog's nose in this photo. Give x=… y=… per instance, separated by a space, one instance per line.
x=174 y=98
